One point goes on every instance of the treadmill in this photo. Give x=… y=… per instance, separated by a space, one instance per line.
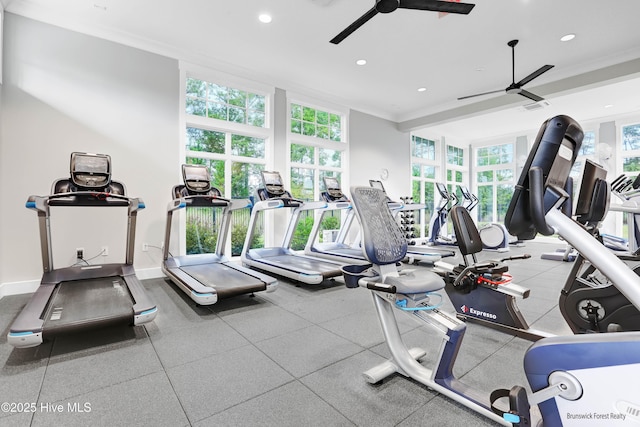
x=76 y=298
x=207 y=277
x=336 y=250
x=282 y=260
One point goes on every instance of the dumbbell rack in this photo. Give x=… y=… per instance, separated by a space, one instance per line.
x=408 y=221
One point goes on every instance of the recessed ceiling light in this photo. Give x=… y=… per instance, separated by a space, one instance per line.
x=567 y=37
x=608 y=106
x=361 y=61
x=422 y=89
x=264 y=18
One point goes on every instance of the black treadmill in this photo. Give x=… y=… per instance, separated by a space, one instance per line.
x=207 y=277
x=282 y=260
x=83 y=297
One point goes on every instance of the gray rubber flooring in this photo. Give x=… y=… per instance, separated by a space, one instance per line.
x=293 y=357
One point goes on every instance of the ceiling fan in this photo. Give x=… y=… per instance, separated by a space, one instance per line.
x=516 y=88
x=388 y=6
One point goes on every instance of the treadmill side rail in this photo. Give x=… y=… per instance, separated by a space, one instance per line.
x=144 y=310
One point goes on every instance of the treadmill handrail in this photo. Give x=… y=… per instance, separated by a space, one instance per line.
x=40 y=203
x=410 y=207
x=181 y=202
x=284 y=199
x=313 y=205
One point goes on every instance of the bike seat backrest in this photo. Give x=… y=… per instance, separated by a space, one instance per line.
x=383 y=240
x=467 y=234
x=599 y=203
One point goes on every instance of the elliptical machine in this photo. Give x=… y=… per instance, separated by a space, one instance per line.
x=495 y=236
x=627 y=190
x=438 y=222
x=567 y=375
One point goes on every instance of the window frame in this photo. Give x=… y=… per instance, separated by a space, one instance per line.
x=229 y=128
x=422 y=180
x=494 y=183
x=318 y=143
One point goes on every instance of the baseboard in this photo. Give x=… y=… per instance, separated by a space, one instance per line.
x=30 y=286
x=17 y=288
x=149 y=273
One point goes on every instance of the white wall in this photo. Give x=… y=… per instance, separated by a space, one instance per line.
x=62 y=92
x=376 y=144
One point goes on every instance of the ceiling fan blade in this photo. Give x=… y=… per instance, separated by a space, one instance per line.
x=354 y=26
x=535 y=74
x=480 y=94
x=530 y=95
x=437 y=6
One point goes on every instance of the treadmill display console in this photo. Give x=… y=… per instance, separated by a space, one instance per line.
x=332 y=186
x=273 y=183
x=90 y=171
x=196 y=178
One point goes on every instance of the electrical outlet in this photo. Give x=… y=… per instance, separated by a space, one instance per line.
x=80 y=253
x=145 y=247
x=105 y=251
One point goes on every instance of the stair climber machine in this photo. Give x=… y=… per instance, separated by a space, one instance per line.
x=627 y=191
x=495 y=236
x=282 y=260
x=77 y=298
x=438 y=222
x=207 y=277
x=571 y=378
x=405 y=209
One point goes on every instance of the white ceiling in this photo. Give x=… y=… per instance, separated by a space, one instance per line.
x=452 y=56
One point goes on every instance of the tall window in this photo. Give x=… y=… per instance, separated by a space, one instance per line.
x=455 y=174
x=220 y=102
x=495 y=179
x=317 y=149
x=587 y=151
x=630 y=160
x=423 y=178
x=631 y=148
x=455 y=169
x=227 y=129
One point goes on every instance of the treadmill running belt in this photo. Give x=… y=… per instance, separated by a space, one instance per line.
x=225 y=280
x=303 y=264
x=79 y=304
